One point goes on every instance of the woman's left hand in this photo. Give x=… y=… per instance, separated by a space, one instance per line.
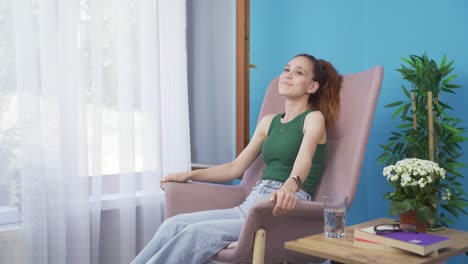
x=285 y=200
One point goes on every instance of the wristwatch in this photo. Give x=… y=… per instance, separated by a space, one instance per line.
x=298 y=181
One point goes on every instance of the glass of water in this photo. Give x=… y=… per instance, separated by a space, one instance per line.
x=334 y=215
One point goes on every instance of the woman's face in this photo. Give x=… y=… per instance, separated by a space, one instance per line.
x=296 y=80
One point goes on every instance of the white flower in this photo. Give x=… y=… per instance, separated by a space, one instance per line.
x=442 y=173
x=416 y=174
x=412 y=168
x=388 y=170
x=422 y=182
x=448 y=194
x=406 y=177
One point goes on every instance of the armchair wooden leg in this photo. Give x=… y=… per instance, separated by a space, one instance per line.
x=259 y=247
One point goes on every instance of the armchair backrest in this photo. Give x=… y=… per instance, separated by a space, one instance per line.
x=272 y=103
x=347 y=140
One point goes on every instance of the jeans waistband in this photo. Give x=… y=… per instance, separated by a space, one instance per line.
x=277 y=185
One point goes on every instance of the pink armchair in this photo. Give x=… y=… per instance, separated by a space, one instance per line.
x=263 y=236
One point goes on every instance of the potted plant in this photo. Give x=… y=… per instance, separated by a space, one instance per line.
x=417 y=188
x=427 y=132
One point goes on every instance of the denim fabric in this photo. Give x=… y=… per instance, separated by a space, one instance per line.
x=262 y=191
x=195 y=237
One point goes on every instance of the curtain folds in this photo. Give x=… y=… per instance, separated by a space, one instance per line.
x=102 y=104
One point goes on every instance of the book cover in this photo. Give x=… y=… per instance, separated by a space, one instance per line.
x=420 y=243
x=422 y=239
x=368 y=244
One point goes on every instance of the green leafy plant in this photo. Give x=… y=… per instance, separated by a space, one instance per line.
x=417 y=138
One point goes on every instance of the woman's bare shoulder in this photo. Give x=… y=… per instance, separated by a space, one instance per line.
x=314 y=124
x=264 y=123
x=268 y=118
x=315 y=117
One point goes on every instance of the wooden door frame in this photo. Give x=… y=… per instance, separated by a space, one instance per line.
x=242 y=74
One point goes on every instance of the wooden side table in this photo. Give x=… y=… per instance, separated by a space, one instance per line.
x=342 y=249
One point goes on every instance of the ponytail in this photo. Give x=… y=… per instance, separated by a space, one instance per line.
x=327 y=98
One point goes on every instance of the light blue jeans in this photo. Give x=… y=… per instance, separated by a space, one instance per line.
x=196 y=237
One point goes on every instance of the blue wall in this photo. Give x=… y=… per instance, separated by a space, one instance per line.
x=354 y=36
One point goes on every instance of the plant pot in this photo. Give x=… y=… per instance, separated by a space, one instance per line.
x=409 y=217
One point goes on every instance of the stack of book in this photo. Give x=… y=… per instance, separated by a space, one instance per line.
x=419 y=243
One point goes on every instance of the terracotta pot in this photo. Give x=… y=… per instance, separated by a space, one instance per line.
x=409 y=217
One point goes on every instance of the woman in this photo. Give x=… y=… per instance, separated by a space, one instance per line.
x=293 y=148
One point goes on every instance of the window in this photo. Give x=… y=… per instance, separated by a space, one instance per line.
x=101 y=105
x=10 y=188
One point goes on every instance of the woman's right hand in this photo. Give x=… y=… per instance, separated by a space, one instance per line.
x=175 y=177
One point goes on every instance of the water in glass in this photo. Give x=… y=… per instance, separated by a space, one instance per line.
x=334 y=215
x=335 y=222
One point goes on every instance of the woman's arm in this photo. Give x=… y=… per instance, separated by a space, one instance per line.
x=314 y=133
x=231 y=170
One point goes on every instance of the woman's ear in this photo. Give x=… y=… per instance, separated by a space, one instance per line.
x=313 y=88
x=316 y=87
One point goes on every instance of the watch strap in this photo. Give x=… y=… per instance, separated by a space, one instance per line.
x=298 y=181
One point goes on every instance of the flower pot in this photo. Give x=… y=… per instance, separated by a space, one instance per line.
x=409 y=217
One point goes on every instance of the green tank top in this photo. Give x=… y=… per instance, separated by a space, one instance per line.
x=280 y=148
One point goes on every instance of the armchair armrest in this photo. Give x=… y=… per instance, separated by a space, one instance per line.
x=305 y=220
x=196 y=196
x=304 y=210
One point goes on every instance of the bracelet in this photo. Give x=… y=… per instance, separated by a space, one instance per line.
x=298 y=181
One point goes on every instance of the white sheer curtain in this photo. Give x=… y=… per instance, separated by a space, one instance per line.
x=101 y=96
